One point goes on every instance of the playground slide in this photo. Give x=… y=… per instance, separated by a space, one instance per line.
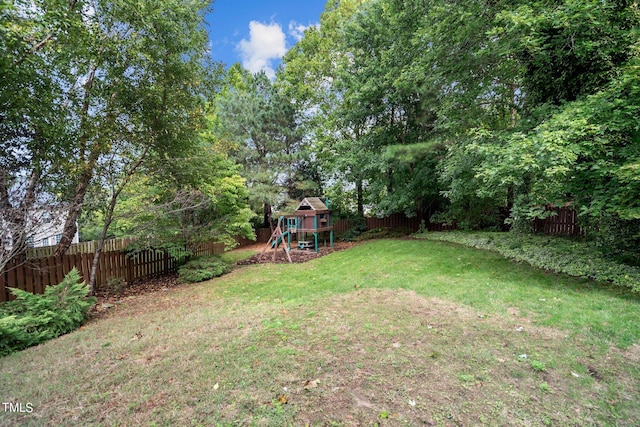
x=277 y=242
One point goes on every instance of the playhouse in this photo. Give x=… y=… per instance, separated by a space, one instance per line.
x=312 y=219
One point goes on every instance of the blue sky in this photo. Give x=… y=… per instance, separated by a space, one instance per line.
x=257 y=33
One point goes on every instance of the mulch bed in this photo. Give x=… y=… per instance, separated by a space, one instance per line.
x=297 y=255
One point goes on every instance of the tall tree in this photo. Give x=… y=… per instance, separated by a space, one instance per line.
x=579 y=82
x=309 y=77
x=259 y=123
x=107 y=75
x=186 y=201
x=143 y=84
x=33 y=120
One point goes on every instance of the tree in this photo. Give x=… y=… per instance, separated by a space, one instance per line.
x=187 y=201
x=149 y=67
x=579 y=77
x=33 y=133
x=394 y=114
x=501 y=107
x=309 y=78
x=107 y=76
x=259 y=124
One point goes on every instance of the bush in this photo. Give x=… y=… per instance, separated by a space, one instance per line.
x=618 y=239
x=204 y=268
x=577 y=258
x=382 y=233
x=358 y=226
x=32 y=319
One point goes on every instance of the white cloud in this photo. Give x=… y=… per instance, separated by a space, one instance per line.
x=296 y=30
x=266 y=43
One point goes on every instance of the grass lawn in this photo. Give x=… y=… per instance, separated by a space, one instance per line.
x=391 y=332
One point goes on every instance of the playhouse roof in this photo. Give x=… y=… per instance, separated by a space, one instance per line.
x=314 y=203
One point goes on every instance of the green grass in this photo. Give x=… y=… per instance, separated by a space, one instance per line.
x=573 y=256
x=420 y=331
x=237 y=255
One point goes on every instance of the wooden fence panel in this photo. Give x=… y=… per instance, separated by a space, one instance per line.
x=38 y=288
x=12 y=277
x=392 y=221
x=563 y=222
x=28 y=278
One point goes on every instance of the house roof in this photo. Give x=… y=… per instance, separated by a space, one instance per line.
x=314 y=203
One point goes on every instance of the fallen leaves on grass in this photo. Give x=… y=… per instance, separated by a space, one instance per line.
x=308 y=385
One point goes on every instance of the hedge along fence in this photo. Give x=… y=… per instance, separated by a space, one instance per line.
x=34 y=275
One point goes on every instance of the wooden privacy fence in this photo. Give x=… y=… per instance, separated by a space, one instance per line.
x=34 y=275
x=564 y=222
x=393 y=221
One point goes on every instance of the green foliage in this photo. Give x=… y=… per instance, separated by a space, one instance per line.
x=258 y=124
x=538 y=366
x=187 y=201
x=91 y=91
x=357 y=226
x=204 y=268
x=499 y=107
x=574 y=257
x=618 y=239
x=568 y=48
x=32 y=319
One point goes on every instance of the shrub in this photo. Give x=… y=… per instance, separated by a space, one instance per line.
x=382 y=233
x=358 y=226
x=618 y=239
x=32 y=319
x=204 y=268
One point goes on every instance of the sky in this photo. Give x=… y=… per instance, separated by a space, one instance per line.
x=257 y=33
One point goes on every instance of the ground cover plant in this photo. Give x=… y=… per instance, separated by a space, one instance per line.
x=389 y=332
x=575 y=257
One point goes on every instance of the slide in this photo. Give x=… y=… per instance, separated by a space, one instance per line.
x=279 y=240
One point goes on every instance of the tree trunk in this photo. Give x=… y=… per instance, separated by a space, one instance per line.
x=108 y=218
x=105 y=229
x=267 y=216
x=360 y=197
x=71 y=222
